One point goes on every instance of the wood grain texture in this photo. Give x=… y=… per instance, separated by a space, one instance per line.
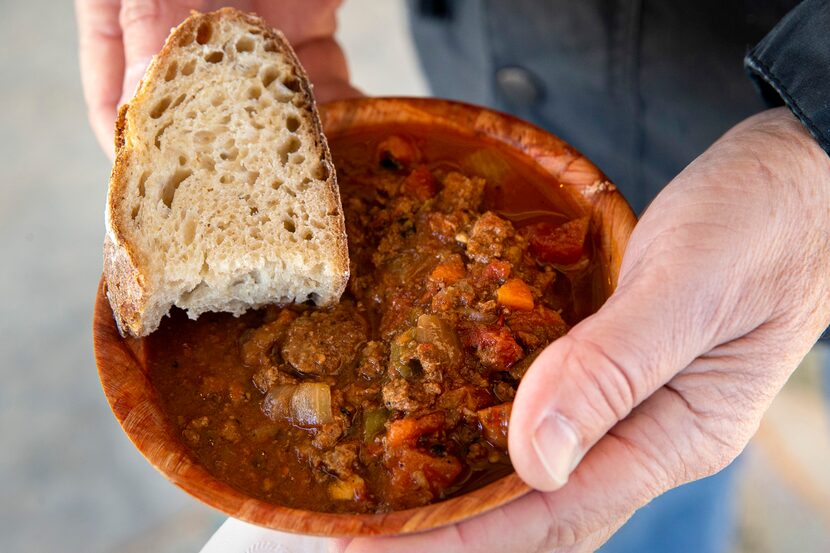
x=135 y=404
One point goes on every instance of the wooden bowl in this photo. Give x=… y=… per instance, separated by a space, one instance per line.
x=134 y=401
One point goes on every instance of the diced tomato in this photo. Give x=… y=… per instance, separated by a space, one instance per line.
x=412 y=470
x=420 y=184
x=449 y=272
x=397 y=313
x=495 y=346
x=515 y=294
x=467 y=397
x=537 y=328
x=405 y=432
x=562 y=245
x=494 y=422
x=497 y=270
x=396 y=152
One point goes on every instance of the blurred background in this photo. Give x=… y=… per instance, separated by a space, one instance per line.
x=69 y=478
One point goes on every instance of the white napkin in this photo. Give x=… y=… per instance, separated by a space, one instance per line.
x=235 y=536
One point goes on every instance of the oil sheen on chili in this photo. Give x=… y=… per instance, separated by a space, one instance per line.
x=400 y=395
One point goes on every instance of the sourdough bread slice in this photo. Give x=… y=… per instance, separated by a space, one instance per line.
x=223 y=195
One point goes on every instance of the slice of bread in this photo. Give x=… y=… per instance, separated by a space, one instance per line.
x=223 y=195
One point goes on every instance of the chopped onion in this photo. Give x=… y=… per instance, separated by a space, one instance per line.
x=277 y=402
x=311 y=404
x=305 y=404
x=435 y=330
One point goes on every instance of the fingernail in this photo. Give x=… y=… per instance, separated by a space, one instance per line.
x=557 y=445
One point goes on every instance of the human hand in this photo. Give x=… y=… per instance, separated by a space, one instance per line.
x=722 y=291
x=118 y=38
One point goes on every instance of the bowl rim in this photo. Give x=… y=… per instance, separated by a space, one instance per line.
x=130 y=394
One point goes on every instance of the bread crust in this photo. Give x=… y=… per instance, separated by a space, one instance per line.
x=124 y=273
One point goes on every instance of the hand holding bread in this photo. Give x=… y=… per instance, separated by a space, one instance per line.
x=118 y=38
x=223 y=195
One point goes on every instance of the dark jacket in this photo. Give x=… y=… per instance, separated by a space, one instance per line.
x=640 y=86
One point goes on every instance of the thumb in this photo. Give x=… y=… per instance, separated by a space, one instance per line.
x=145 y=25
x=585 y=382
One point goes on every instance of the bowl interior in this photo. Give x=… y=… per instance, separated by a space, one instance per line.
x=509 y=149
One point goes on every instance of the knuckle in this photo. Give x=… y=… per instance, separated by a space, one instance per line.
x=614 y=389
x=97 y=20
x=658 y=462
x=561 y=535
x=580 y=529
x=135 y=12
x=718 y=450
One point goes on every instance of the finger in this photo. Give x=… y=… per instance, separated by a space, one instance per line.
x=657 y=447
x=309 y=26
x=339 y=545
x=337 y=90
x=520 y=526
x=634 y=463
x=101 y=56
x=145 y=28
x=584 y=383
x=145 y=25
x=682 y=291
x=699 y=271
x=325 y=64
x=299 y=20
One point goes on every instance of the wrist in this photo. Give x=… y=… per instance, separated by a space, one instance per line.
x=792 y=175
x=755 y=210
x=785 y=149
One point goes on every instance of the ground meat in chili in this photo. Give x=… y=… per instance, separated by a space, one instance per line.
x=400 y=395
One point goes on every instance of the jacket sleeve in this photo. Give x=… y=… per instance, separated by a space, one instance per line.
x=791 y=66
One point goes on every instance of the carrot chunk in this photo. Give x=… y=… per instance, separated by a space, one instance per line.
x=405 y=432
x=515 y=294
x=495 y=346
x=448 y=273
x=497 y=270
